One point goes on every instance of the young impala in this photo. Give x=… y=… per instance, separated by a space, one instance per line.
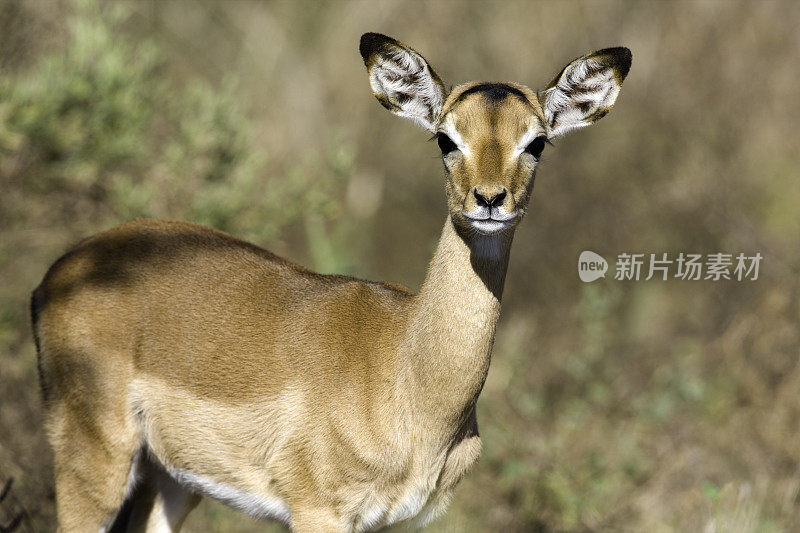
x=179 y=362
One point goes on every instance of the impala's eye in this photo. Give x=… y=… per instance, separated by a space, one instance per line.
x=446 y=144
x=536 y=146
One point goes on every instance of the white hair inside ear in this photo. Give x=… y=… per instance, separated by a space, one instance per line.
x=403 y=81
x=585 y=90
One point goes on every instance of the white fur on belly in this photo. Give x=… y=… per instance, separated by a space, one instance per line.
x=376 y=511
x=252 y=504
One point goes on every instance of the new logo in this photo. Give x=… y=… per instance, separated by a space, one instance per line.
x=591 y=266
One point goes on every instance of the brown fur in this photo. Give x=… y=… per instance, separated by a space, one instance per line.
x=168 y=347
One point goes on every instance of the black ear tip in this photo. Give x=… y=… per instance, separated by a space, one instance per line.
x=371 y=43
x=625 y=60
x=618 y=57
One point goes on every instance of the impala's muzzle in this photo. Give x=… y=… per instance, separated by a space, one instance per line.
x=489 y=209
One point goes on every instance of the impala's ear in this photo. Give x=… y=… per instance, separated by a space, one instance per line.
x=402 y=80
x=585 y=90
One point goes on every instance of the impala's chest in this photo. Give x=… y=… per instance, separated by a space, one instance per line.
x=424 y=495
x=397 y=502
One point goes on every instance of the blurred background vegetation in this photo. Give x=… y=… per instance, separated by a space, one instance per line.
x=611 y=406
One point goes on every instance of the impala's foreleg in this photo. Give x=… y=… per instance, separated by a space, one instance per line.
x=159 y=503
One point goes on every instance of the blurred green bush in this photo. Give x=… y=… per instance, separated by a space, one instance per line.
x=99 y=120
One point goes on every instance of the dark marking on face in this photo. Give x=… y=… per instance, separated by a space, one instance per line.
x=494 y=92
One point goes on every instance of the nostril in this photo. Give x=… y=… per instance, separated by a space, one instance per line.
x=497 y=200
x=490 y=201
x=482 y=201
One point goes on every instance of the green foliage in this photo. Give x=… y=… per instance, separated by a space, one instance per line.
x=99 y=120
x=85 y=111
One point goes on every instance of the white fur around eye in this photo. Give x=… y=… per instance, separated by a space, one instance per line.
x=526 y=139
x=449 y=129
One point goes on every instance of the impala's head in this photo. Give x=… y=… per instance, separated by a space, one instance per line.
x=492 y=134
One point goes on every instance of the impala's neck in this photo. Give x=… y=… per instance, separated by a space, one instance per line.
x=453 y=320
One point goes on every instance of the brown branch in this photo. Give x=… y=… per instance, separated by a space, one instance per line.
x=17 y=520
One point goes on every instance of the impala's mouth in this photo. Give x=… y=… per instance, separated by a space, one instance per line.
x=489 y=226
x=493 y=222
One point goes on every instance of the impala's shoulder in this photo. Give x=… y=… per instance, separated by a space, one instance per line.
x=149 y=229
x=400 y=290
x=152 y=228
x=117 y=256
x=360 y=288
x=169 y=240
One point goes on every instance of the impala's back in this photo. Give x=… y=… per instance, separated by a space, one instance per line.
x=178 y=362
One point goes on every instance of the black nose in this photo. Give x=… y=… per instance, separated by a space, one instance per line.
x=491 y=201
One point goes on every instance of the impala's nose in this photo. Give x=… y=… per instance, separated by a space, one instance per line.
x=489 y=196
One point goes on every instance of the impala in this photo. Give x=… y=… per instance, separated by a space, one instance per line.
x=178 y=362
